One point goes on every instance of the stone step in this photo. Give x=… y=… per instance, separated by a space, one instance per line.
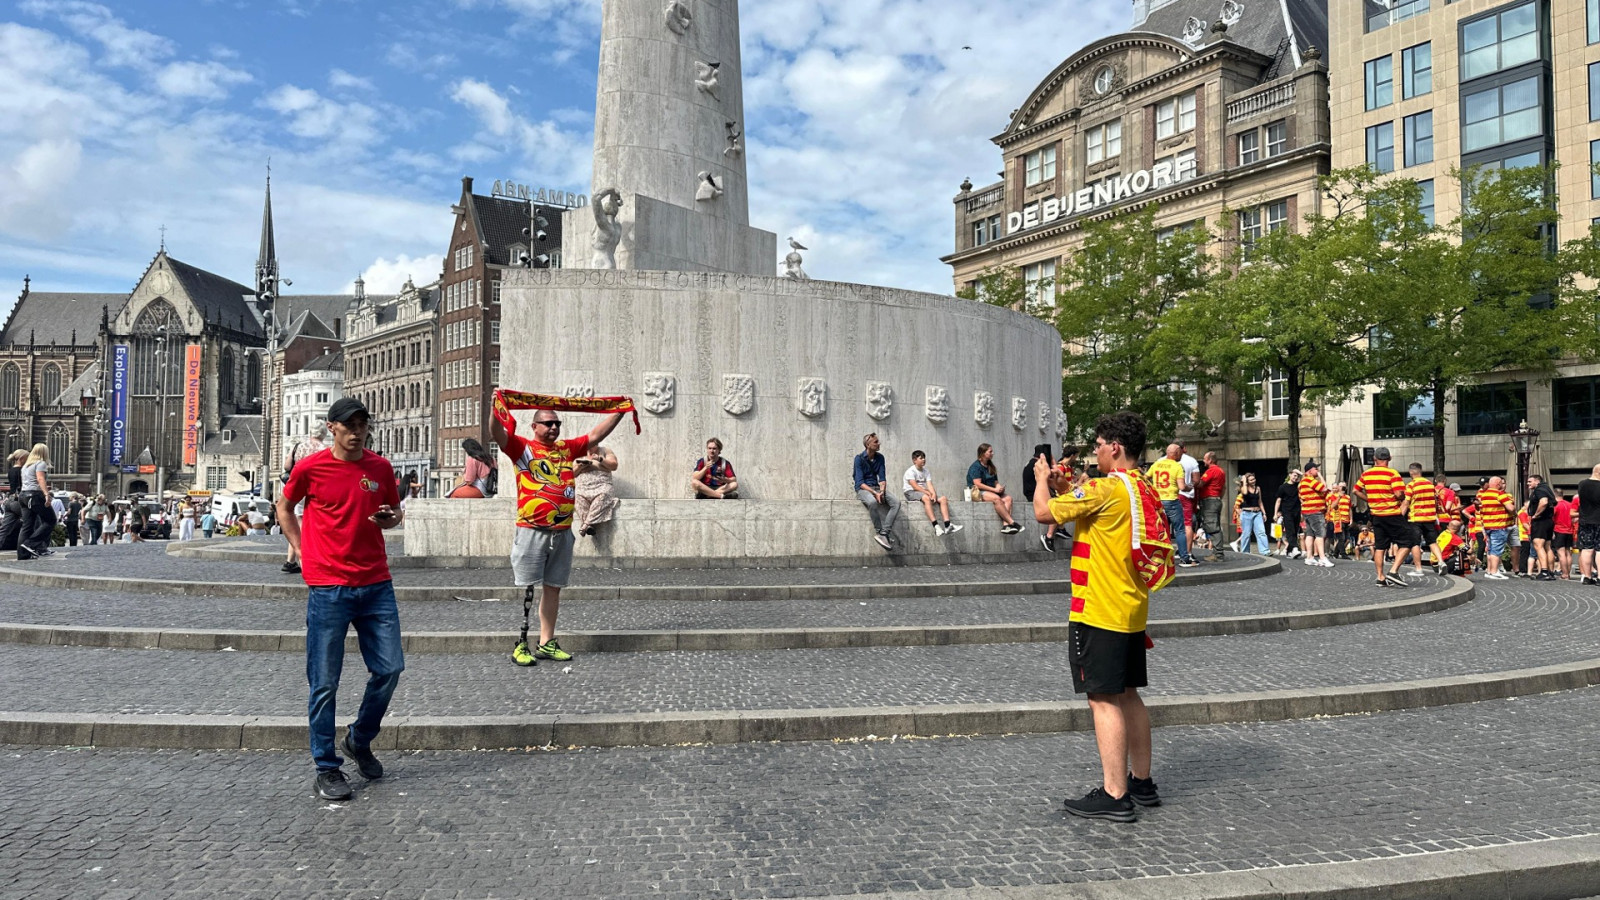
x=734 y=639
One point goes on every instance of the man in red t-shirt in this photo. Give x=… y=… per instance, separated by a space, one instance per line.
x=350 y=498
x=1208 y=498
x=541 y=554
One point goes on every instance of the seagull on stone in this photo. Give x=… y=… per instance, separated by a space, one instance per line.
x=796 y=245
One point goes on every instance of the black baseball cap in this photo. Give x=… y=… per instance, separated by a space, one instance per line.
x=1310 y=464
x=346 y=408
x=1382 y=453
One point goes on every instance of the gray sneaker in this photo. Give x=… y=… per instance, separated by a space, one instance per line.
x=882 y=539
x=332 y=785
x=365 y=762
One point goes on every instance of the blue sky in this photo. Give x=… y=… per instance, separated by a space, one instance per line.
x=863 y=117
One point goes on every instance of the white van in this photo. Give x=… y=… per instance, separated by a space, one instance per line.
x=227 y=507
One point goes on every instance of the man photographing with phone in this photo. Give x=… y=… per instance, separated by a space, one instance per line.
x=350 y=499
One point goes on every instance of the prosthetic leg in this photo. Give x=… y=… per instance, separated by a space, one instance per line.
x=521 y=654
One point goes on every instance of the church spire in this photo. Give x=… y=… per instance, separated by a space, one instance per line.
x=267 y=259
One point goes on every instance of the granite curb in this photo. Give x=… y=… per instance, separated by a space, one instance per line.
x=737 y=639
x=737 y=726
x=1557 y=869
x=66 y=580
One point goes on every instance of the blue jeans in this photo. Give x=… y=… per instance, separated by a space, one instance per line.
x=1253 y=524
x=1497 y=538
x=330 y=611
x=1180 y=538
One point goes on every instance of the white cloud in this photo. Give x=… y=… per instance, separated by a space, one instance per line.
x=387 y=276
x=201 y=80
x=558 y=154
x=314 y=116
x=124 y=46
x=339 y=79
x=490 y=108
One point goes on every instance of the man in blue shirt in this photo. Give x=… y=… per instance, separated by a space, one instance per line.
x=872 y=489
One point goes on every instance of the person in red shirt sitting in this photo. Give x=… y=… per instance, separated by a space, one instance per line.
x=350 y=498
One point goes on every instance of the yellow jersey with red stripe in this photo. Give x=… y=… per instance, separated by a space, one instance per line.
x=1107 y=590
x=1339 y=509
x=1424 y=500
x=1493 y=511
x=1313 y=496
x=1384 y=489
x=1166 y=476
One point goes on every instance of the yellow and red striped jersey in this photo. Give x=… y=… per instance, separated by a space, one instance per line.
x=1493 y=511
x=1384 y=489
x=1424 y=500
x=1313 y=496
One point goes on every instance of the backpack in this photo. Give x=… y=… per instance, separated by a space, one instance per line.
x=1155 y=555
x=491 y=485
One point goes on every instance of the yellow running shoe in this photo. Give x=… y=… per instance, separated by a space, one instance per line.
x=522 y=656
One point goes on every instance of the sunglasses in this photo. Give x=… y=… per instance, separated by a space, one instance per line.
x=553 y=423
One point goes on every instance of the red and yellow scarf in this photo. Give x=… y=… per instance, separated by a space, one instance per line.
x=506 y=401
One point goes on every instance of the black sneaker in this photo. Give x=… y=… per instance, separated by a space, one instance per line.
x=1394 y=580
x=1143 y=791
x=332 y=785
x=368 y=764
x=291 y=568
x=1591 y=581
x=1097 y=804
x=1546 y=576
x=1046 y=543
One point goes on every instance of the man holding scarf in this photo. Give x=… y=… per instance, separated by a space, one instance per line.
x=541 y=554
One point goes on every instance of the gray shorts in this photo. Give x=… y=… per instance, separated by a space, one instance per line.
x=542 y=557
x=1316 y=525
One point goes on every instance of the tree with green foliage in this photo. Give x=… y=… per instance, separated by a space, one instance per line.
x=1112 y=296
x=1301 y=302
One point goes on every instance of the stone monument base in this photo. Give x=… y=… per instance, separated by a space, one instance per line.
x=728 y=533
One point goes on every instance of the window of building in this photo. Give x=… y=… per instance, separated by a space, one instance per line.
x=1103 y=142
x=1387 y=12
x=1500 y=114
x=494 y=292
x=1397 y=416
x=322 y=397
x=1419 y=138
x=60 y=449
x=1380 y=147
x=1491 y=408
x=1249 y=228
x=1416 y=71
x=980 y=232
x=1594 y=20
x=1500 y=40
x=1594 y=176
x=216 y=478
x=494 y=332
x=1249 y=147
x=1277 y=138
x=1594 y=89
x=1250 y=400
x=1040 y=165
x=50 y=384
x=1175 y=116
x=1425 y=206
x=494 y=373
x=1577 y=403
x=1039 y=283
x=1277 y=215
x=1277 y=395
x=1380 y=82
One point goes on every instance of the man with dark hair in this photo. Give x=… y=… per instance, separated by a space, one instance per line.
x=1541 y=509
x=1385 y=493
x=872 y=489
x=1110 y=603
x=350 y=499
x=1208 y=496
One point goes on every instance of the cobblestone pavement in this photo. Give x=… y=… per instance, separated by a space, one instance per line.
x=794 y=820
x=1297 y=589
x=150 y=561
x=1510 y=626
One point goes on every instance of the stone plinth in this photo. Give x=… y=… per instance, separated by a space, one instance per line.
x=831 y=532
x=743 y=355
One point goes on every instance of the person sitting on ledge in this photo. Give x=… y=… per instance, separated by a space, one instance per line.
x=713 y=477
x=872 y=489
x=919 y=489
x=986 y=487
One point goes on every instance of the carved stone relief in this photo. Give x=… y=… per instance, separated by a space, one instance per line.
x=936 y=400
x=880 y=399
x=607 y=232
x=709 y=188
x=678 y=17
x=585 y=391
x=735 y=146
x=660 y=392
x=1061 y=425
x=1019 y=413
x=983 y=408
x=1044 y=417
x=813 y=397
x=738 y=394
x=706 y=77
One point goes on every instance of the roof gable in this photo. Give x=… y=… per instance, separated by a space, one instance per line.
x=45 y=318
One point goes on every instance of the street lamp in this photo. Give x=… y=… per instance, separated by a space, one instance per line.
x=1524 y=441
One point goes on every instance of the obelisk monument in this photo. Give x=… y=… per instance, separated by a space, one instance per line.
x=669 y=140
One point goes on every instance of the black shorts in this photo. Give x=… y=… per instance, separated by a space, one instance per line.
x=1427 y=533
x=1563 y=541
x=1542 y=529
x=1105 y=662
x=1392 y=531
x=1589 y=537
